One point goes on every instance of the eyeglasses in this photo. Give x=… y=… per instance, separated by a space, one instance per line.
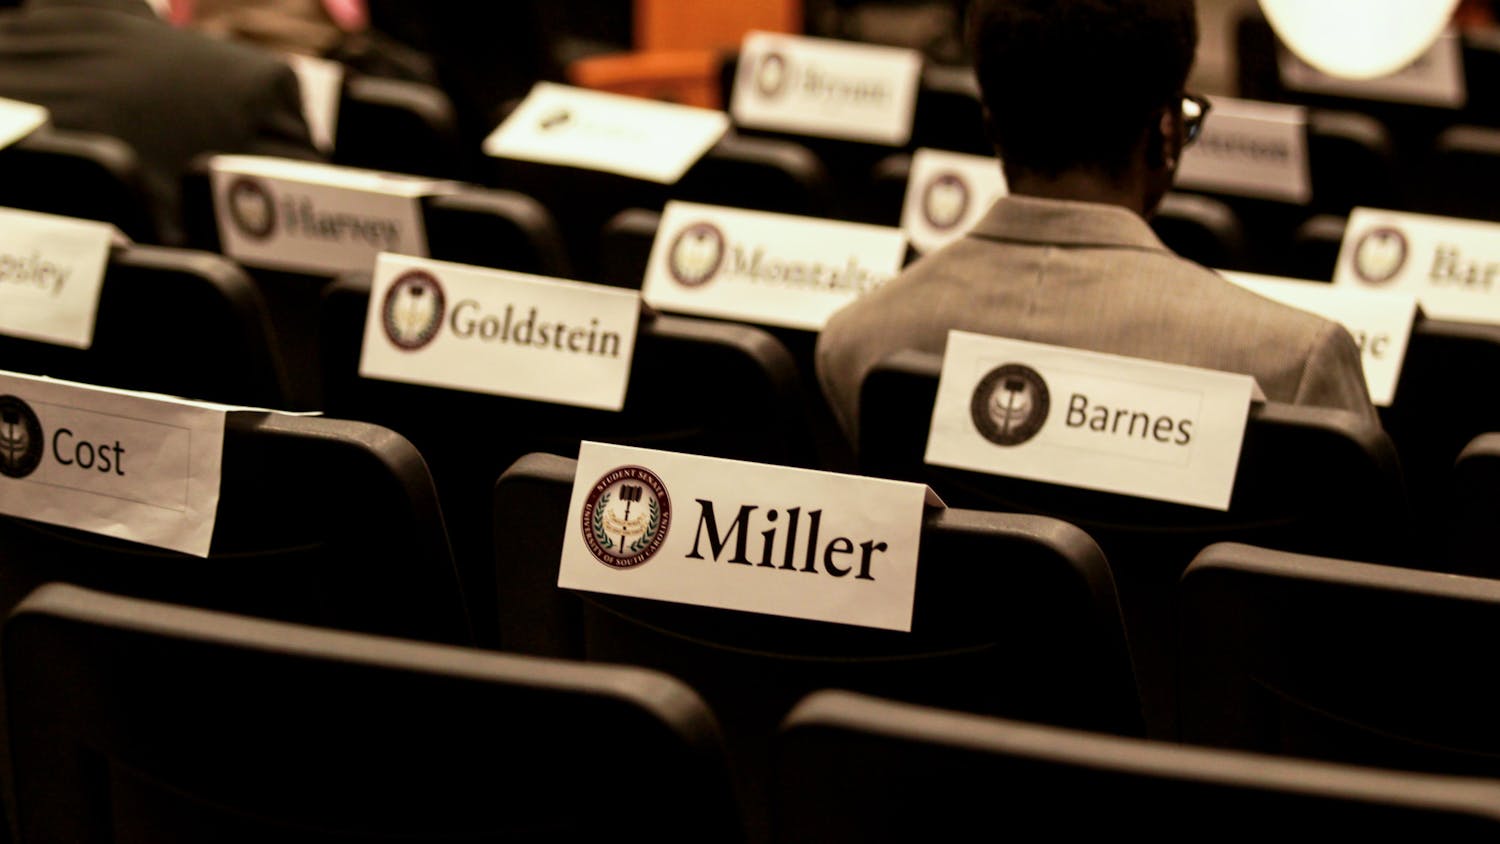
x=1194 y=110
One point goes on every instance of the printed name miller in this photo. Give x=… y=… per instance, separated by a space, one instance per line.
x=739 y=531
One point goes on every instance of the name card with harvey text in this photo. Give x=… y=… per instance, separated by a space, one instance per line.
x=492 y=331
x=594 y=130
x=1089 y=420
x=826 y=88
x=128 y=465
x=772 y=269
x=946 y=194
x=1451 y=266
x=1436 y=78
x=51 y=274
x=18 y=119
x=743 y=536
x=1252 y=149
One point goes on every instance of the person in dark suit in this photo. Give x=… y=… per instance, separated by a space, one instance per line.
x=115 y=67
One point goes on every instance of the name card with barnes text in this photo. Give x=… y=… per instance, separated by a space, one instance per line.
x=1452 y=266
x=18 y=119
x=51 y=274
x=593 y=130
x=1436 y=78
x=492 y=331
x=743 y=536
x=1089 y=420
x=772 y=269
x=1250 y=148
x=316 y=218
x=826 y=88
x=946 y=194
x=1380 y=321
x=129 y=465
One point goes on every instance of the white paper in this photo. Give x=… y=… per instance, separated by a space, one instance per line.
x=1250 y=148
x=1434 y=79
x=18 y=119
x=1451 y=266
x=947 y=193
x=51 y=274
x=322 y=85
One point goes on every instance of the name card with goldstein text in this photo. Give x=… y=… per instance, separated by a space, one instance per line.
x=946 y=194
x=18 y=119
x=826 y=88
x=1089 y=420
x=492 y=331
x=51 y=274
x=1252 y=149
x=743 y=536
x=1380 y=322
x=128 y=465
x=316 y=218
x=593 y=130
x=1436 y=78
x=1452 y=266
x=771 y=269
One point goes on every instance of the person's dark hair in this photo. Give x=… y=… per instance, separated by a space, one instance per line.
x=1076 y=82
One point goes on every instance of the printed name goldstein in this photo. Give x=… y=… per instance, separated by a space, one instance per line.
x=468 y=321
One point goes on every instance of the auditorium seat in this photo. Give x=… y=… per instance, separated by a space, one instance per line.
x=1462 y=175
x=1472 y=497
x=949 y=113
x=1201 y=229
x=79 y=174
x=1314 y=252
x=1352 y=162
x=625 y=247
x=131 y=720
x=853 y=768
x=401 y=127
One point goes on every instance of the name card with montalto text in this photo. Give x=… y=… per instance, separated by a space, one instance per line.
x=316 y=218
x=1451 y=266
x=1252 y=149
x=128 y=465
x=826 y=88
x=946 y=194
x=593 y=130
x=771 y=269
x=1380 y=322
x=51 y=274
x=18 y=119
x=1436 y=78
x=1089 y=420
x=506 y=333
x=743 y=536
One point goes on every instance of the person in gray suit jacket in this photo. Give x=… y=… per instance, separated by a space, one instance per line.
x=1086 y=106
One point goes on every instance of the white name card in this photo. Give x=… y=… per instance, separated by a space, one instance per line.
x=593 y=130
x=1252 y=149
x=1089 y=420
x=771 y=269
x=1451 y=266
x=826 y=88
x=51 y=273
x=129 y=465
x=491 y=331
x=743 y=536
x=947 y=193
x=18 y=119
x=322 y=86
x=1436 y=78
x=316 y=218
x=1380 y=321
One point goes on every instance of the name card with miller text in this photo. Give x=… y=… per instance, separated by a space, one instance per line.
x=1451 y=266
x=1089 y=420
x=744 y=536
x=18 y=119
x=826 y=88
x=51 y=274
x=772 y=269
x=947 y=193
x=1436 y=78
x=1252 y=149
x=492 y=331
x=612 y=133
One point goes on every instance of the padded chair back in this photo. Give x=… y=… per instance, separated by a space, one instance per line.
x=1473 y=515
x=399 y=126
x=949 y=113
x=1201 y=229
x=1462 y=172
x=79 y=174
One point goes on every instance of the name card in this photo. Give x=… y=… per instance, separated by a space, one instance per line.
x=743 y=536
x=1451 y=266
x=593 y=130
x=491 y=331
x=1089 y=420
x=316 y=218
x=770 y=269
x=18 y=119
x=129 y=465
x=826 y=88
x=1379 y=321
x=947 y=193
x=322 y=86
x=1436 y=78
x=1250 y=148
x=51 y=273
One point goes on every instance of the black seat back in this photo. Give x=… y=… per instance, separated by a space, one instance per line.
x=78 y=174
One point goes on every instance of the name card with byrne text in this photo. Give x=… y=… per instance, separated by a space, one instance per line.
x=316 y=218
x=1089 y=420
x=593 y=130
x=1436 y=78
x=506 y=333
x=744 y=536
x=51 y=274
x=1451 y=266
x=772 y=269
x=946 y=194
x=18 y=119
x=826 y=88
x=1252 y=149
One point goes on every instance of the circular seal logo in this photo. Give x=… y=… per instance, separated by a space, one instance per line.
x=696 y=254
x=1010 y=404
x=771 y=75
x=20 y=438
x=626 y=517
x=1380 y=254
x=412 y=311
x=252 y=208
x=945 y=201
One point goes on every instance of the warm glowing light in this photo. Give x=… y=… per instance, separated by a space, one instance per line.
x=1358 y=39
